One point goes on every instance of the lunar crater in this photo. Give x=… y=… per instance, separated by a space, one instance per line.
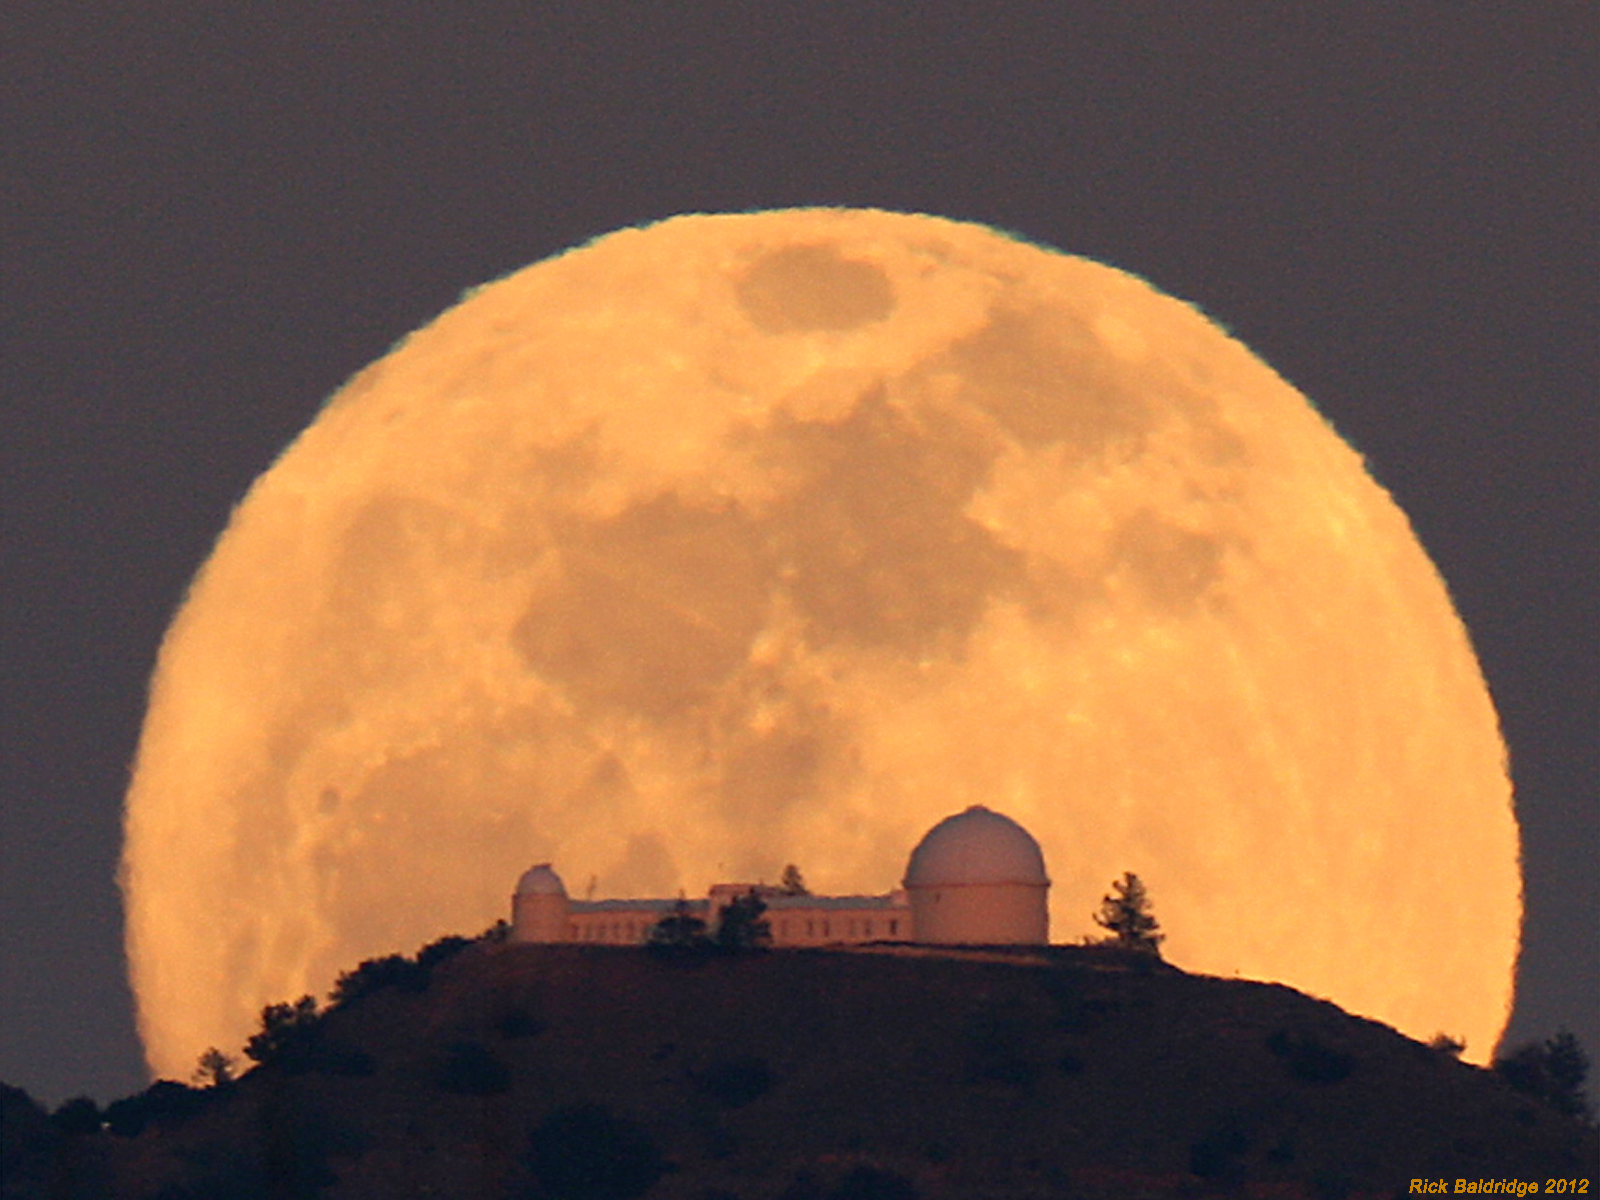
x=814 y=287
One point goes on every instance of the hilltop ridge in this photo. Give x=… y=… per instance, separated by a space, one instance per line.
x=890 y=1072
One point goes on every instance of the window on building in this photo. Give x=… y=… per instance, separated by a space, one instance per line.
x=811 y=930
x=824 y=929
x=869 y=928
x=894 y=927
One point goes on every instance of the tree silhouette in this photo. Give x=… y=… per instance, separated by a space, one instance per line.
x=793 y=883
x=78 y=1115
x=215 y=1069
x=680 y=930
x=375 y=974
x=1125 y=912
x=289 y=1033
x=586 y=1152
x=1553 y=1071
x=740 y=925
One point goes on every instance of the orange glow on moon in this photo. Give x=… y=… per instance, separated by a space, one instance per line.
x=743 y=540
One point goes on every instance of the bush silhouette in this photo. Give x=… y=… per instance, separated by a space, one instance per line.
x=1216 y=1155
x=741 y=927
x=1553 y=1071
x=472 y=1069
x=296 y=1144
x=288 y=1033
x=679 y=932
x=735 y=1082
x=873 y=1183
x=1308 y=1060
x=999 y=1048
x=77 y=1116
x=440 y=950
x=293 y=1040
x=375 y=974
x=860 y=1182
x=164 y=1103
x=518 y=1023
x=585 y=1152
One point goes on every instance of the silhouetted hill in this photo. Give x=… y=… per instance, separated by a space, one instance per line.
x=876 y=1074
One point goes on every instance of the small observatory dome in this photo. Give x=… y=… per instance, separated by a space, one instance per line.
x=978 y=877
x=541 y=881
x=539 y=906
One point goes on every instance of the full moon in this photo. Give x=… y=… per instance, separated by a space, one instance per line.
x=736 y=541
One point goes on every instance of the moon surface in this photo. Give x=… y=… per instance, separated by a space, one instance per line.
x=735 y=541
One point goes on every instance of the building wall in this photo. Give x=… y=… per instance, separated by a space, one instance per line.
x=996 y=914
x=804 y=925
x=792 y=921
x=627 y=927
x=538 y=918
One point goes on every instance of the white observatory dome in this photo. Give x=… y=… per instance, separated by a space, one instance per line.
x=540 y=881
x=977 y=878
x=976 y=846
x=539 y=906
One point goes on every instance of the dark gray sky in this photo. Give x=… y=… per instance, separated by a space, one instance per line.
x=214 y=215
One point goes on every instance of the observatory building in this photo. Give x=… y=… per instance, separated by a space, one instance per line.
x=975 y=878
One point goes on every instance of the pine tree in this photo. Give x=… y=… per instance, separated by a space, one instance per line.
x=215 y=1069
x=741 y=927
x=1125 y=912
x=681 y=930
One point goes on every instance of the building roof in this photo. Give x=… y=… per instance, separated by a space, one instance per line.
x=643 y=905
x=773 y=903
x=973 y=847
x=832 y=903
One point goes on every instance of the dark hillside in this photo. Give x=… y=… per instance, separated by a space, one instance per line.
x=817 y=1075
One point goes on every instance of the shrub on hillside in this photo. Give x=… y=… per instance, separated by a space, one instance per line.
x=292 y=1038
x=999 y=1048
x=77 y=1116
x=1065 y=990
x=1553 y=1071
x=860 y=1182
x=679 y=933
x=472 y=1069
x=741 y=929
x=439 y=950
x=1215 y=1156
x=376 y=974
x=287 y=1032
x=586 y=1152
x=1070 y=1064
x=163 y=1103
x=518 y=1023
x=735 y=1082
x=1308 y=1060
